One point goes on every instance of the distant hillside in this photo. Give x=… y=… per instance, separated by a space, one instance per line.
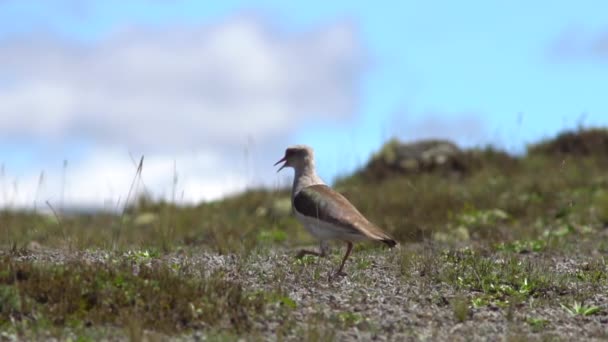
x=425 y=190
x=396 y=158
x=590 y=142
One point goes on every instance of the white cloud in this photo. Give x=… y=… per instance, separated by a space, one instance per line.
x=104 y=179
x=172 y=94
x=181 y=86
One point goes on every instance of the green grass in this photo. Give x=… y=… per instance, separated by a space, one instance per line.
x=537 y=324
x=159 y=298
x=519 y=236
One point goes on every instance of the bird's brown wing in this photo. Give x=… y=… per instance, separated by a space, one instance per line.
x=321 y=202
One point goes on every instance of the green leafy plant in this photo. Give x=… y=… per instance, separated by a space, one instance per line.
x=478 y=218
x=460 y=308
x=142 y=255
x=272 y=236
x=578 y=309
x=306 y=260
x=522 y=246
x=349 y=319
x=480 y=301
x=363 y=263
x=537 y=324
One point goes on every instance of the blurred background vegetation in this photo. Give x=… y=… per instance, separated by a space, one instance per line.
x=430 y=190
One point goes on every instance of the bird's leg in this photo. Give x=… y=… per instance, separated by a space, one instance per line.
x=323 y=248
x=349 y=248
x=303 y=252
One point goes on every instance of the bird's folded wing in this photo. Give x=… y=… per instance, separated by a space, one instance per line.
x=323 y=203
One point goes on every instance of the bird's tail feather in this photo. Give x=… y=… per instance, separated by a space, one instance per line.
x=390 y=242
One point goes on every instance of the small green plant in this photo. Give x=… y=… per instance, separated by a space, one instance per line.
x=272 y=236
x=537 y=324
x=363 y=263
x=10 y=300
x=288 y=302
x=563 y=230
x=473 y=223
x=578 y=309
x=481 y=218
x=480 y=301
x=349 y=319
x=140 y=256
x=526 y=287
x=317 y=329
x=594 y=272
x=283 y=301
x=306 y=260
x=522 y=246
x=275 y=298
x=601 y=204
x=460 y=308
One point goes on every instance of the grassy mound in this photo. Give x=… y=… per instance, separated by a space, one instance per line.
x=591 y=142
x=441 y=157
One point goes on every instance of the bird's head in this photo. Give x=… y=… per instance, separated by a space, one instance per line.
x=297 y=156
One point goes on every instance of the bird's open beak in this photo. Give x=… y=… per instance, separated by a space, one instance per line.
x=284 y=159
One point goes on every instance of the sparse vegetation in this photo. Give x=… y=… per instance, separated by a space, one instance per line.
x=577 y=308
x=492 y=245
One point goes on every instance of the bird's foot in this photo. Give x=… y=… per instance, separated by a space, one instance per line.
x=302 y=253
x=339 y=274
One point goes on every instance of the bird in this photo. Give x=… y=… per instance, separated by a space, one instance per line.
x=324 y=212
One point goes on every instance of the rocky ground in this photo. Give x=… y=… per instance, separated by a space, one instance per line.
x=419 y=292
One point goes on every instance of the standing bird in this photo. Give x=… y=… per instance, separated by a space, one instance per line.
x=325 y=213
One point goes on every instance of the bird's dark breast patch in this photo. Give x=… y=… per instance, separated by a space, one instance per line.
x=310 y=203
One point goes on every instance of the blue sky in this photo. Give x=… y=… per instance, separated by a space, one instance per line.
x=477 y=72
